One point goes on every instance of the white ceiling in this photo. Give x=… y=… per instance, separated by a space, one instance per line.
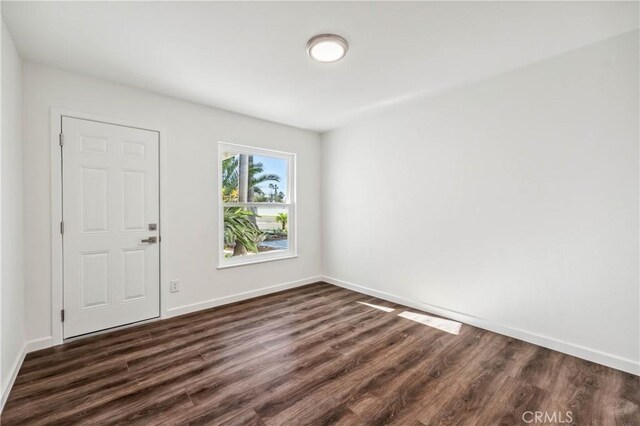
x=250 y=57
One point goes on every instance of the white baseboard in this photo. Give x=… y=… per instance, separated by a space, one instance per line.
x=30 y=346
x=37 y=344
x=185 y=309
x=15 y=367
x=599 y=357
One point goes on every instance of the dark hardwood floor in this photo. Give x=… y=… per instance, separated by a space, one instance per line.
x=312 y=355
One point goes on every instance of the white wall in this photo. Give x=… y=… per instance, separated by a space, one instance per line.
x=11 y=254
x=190 y=235
x=512 y=202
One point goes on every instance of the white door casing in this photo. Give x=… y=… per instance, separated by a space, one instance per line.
x=110 y=197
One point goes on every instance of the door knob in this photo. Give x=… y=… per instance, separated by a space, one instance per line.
x=150 y=240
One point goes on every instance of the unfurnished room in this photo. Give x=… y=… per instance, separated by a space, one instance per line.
x=320 y=213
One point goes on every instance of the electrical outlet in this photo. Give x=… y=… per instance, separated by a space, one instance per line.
x=174 y=286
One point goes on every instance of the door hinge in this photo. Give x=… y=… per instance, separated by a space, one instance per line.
x=61 y=139
x=62 y=315
x=62 y=228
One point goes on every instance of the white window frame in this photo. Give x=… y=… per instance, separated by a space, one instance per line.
x=291 y=251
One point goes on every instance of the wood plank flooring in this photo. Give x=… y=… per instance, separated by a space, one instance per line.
x=312 y=355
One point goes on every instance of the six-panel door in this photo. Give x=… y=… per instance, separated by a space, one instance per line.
x=110 y=199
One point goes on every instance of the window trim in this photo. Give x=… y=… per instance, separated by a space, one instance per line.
x=292 y=250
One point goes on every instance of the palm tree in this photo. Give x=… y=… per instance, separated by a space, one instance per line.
x=230 y=179
x=240 y=231
x=276 y=195
x=240 y=249
x=282 y=219
x=230 y=174
x=241 y=180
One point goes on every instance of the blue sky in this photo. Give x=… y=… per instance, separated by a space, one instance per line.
x=276 y=166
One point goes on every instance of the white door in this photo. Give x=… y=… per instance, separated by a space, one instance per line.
x=110 y=210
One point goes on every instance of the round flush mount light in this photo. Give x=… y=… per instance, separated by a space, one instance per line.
x=327 y=47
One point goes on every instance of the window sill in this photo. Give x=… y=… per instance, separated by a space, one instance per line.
x=253 y=262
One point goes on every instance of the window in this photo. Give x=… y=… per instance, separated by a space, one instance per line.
x=257 y=204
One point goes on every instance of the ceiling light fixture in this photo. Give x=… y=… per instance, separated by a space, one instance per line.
x=327 y=47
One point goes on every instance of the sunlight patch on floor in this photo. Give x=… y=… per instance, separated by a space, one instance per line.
x=449 y=326
x=382 y=308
